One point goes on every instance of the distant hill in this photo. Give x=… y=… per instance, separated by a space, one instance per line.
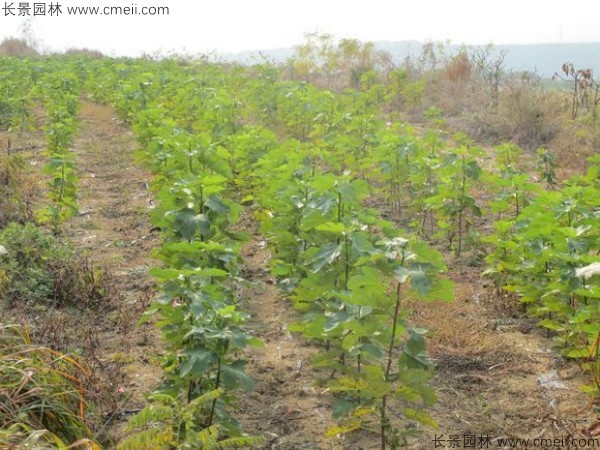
x=545 y=59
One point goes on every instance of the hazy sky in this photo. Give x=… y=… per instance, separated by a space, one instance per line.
x=199 y=26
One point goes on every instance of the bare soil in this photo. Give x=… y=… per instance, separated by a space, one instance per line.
x=287 y=406
x=498 y=374
x=114 y=228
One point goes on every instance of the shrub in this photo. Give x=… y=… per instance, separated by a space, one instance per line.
x=533 y=116
x=16 y=47
x=83 y=51
x=39 y=268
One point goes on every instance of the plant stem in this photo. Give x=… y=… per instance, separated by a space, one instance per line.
x=389 y=364
x=217 y=383
x=461 y=205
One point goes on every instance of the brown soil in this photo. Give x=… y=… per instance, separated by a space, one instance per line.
x=287 y=406
x=492 y=366
x=113 y=227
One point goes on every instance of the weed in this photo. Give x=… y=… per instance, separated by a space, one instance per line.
x=42 y=269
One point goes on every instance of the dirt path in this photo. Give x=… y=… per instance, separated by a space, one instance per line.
x=287 y=406
x=114 y=227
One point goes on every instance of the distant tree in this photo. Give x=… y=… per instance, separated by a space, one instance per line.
x=458 y=69
x=335 y=65
x=357 y=59
x=396 y=83
x=491 y=70
x=584 y=87
x=28 y=34
x=432 y=56
x=413 y=94
x=24 y=45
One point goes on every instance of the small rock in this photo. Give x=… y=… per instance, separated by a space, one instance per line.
x=551 y=380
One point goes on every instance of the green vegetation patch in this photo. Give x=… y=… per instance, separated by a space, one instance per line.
x=36 y=267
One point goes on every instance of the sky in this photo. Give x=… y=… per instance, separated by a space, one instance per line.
x=225 y=26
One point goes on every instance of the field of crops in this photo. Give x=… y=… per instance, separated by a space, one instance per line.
x=292 y=267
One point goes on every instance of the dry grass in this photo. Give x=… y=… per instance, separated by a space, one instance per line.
x=16 y=47
x=456 y=328
x=91 y=53
x=43 y=394
x=489 y=361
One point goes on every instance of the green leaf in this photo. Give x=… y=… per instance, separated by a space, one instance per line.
x=215 y=204
x=335 y=228
x=440 y=290
x=255 y=342
x=343 y=407
x=324 y=183
x=420 y=282
x=312 y=219
x=420 y=416
x=189 y=223
x=472 y=170
x=198 y=362
x=551 y=324
x=361 y=244
x=593 y=292
x=327 y=254
x=369 y=279
x=413 y=353
x=234 y=376
x=578 y=353
x=353 y=192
